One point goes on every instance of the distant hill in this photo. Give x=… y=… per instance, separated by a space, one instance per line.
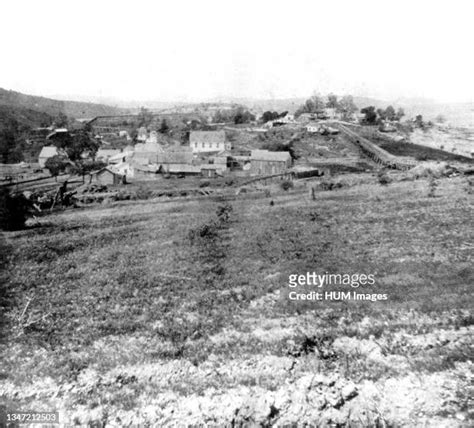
x=75 y=109
x=290 y=104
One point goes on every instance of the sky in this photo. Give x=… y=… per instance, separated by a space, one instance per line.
x=180 y=50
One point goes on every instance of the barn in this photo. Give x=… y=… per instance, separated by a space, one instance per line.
x=265 y=162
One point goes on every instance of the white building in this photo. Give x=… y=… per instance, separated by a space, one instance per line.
x=208 y=141
x=48 y=152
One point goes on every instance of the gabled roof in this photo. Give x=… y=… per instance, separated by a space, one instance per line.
x=147 y=168
x=106 y=152
x=149 y=146
x=49 y=151
x=119 y=156
x=207 y=136
x=184 y=168
x=104 y=170
x=267 y=155
x=175 y=157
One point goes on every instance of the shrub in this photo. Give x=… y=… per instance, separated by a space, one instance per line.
x=143 y=193
x=13 y=210
x=330 y=185
x=204 y=184
x=432 y=187
x=207 y=230
x=421 y=157
x=383 y=178
x=223 y=212
x=287 y=185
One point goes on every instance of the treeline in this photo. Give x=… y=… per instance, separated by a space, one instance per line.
x=238 y=115
x=345 y=105
x=374 y=116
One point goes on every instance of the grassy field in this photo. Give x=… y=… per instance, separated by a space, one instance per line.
x=151 y=312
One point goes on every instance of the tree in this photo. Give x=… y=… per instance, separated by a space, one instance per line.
x=370 y=115
x=400 y=113
x=13 y=210
x=381 y=114
x=314 y=104
x=79 y=144
x=390 y=113
x=419 y=121
x=269 y=115
x=9 y=152
x=347 y=107
x=332 y=101
x=56 y=165
x=84 y=166
x=243 y=116
x=144 y=117
x=61 y=120
x=164 y=127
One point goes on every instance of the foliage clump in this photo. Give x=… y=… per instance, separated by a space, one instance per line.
x=13 y=210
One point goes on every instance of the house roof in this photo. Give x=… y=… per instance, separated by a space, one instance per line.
x=185 y=168
x=147 y=168
x=175 y=157
x=119 y=156
x=58 y=131
x=104 y=170
x=48 y=152
x=149 y=146
x=266 y=155
x=207 y=136
x=107 y=152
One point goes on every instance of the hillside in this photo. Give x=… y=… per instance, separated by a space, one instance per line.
x=173 y=314
x=75 y=109
x=23 y=117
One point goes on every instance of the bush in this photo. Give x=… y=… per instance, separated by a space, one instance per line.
x=383 y=178
x=421 y=157
x=204 y=184
x=13 y=211
x=223 y=212
x=143 y=193
x=287 y=185
x=330 y=185
x=432 y=185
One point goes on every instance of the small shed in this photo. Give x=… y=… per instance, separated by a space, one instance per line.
x=108 y=177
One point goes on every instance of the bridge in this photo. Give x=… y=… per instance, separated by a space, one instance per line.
x=376 y=153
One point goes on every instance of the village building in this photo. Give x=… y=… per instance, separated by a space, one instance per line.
x=105 y=154
x=107 y=176
x=143 y=172
x=312 y=127
x=142 y=134
x=124 y=134
x=146 y=165
x=48 y=152
x=175 y=158
x=208 y=141
x=146 y=153
x=58 y=132
x=120 y=157
x=265 y=162
x=306 y=117
x=181 y=169
x=152 y=137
